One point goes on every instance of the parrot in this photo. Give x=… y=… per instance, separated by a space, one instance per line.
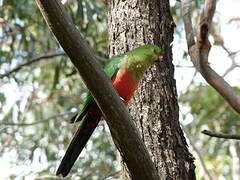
x=125 y=72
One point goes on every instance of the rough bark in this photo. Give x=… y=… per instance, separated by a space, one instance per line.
x=154 y=107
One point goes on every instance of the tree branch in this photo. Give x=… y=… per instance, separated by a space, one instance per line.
x=122 y=127
x=37 y=122
x=221 y=135
x=39 y=58
x=199 y=51
x=114 y=174
x=187 y=14
x=180 y=66
x=232 y=57
x=31 y=61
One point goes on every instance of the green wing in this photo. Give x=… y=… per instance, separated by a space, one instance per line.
x=111 y=68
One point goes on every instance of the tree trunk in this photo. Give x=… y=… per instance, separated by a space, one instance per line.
x=154 y=107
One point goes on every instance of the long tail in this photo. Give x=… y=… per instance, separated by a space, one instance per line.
x=85 y=130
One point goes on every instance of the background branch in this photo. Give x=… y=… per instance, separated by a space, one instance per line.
x=221 y=135
x=123 y=130
x=231 y=55
x=114 y=174
x=31 y=61
x=199 y=51
x=38 y=122
x=37 y=59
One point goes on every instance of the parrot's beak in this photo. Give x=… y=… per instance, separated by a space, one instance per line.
x=160 y=58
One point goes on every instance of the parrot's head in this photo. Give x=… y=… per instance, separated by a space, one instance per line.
x=141 y=58
x=150 y=53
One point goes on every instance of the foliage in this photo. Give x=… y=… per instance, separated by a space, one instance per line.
x=37 y=100
x=210 y=111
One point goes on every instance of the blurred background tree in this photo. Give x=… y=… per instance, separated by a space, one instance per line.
x=38 y=94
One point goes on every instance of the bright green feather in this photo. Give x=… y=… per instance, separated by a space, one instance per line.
x=136 y=61
x=110 y=69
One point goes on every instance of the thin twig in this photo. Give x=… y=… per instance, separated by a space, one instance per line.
x=31 y=61
x=232 y=67
x=114 y=174
x=192 y=80
x=38 y=122
x=39 y=58
x=232 y=57
x=180 y=66
x=221 y=135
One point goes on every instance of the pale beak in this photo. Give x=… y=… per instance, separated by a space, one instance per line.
x=160 y=58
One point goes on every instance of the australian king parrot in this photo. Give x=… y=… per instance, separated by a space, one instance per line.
x=125 y=72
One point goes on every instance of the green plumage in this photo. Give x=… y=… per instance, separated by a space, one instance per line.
x=136 y=61
x=110 y=69
x=125 y=71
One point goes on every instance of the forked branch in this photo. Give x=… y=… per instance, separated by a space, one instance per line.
x=199 y=50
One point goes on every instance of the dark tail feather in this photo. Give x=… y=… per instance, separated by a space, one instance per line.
x=77 y=118
x=73 y=119
x=85 y=130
